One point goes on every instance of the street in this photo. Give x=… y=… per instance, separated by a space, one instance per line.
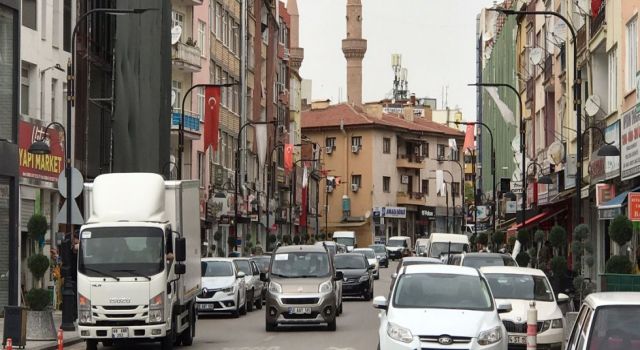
x=356 y=330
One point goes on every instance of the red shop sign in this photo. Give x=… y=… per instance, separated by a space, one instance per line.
x=45 y=167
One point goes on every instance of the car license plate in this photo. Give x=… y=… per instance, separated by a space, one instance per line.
x=300 y=310
x=205 y=306
x=120 y=332
x=517 y=339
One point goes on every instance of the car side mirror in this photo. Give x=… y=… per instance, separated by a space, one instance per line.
x=339 y=276
x=504 y=308
x=381 y=303
x=394 y=275
x=264 y=277
x=181 y=249
x=563 y=298
x=180 y=269
x=240 y=274
x=371 y=267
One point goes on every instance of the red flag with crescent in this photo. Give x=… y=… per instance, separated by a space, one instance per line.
x=469 y=138
x=211 y=116
x=288 y=157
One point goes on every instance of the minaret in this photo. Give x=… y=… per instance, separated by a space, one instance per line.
x=296 y=53
x=354 y=48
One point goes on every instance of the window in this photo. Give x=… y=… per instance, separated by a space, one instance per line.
x=356 y=180
x=235 y=38
x=251 y=62
x=177 y=19
x=455 y=154
x=54 y=93
x=455 y=189
x=613 y=81
x=225 y=28
x=356 y=141
x=218 y=20
x=441 y=151
x=425 y=150
x=201 y=169
x=425 y=187
x=8 y=56
x=43 y=23
x=29 y=14
x=24 y=90
x=386 y=145
x=202 y=38
x=177 y=87
x=386 y=184
x=330 y=142
x=632 y=54
x=55 y=25
x=281 y=34
x=66 y=26
x=200 y=99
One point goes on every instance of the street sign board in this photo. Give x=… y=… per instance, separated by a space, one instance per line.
x=634 y=206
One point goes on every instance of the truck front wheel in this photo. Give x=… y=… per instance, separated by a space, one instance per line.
x=91 y=344
x=167 y=342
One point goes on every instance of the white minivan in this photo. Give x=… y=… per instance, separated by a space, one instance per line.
x=442 y=245
x=348 y=238
x=398 y=247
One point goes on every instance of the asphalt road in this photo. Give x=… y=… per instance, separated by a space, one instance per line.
x=357 y=330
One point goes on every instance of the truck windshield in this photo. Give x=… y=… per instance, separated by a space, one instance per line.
x=441 y=248
x=119 y=251
x=344 y=240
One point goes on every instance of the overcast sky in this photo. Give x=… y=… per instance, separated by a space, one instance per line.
x=435 y=37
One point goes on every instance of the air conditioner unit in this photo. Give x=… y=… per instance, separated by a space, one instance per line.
x=404 y=179
x=354 y=187
x=329 y=189
x=329 y=149
x=355 y=148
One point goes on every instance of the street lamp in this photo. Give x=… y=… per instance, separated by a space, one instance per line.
x=577 y=91
x=453 y=198
x=462 y=181
x=608 y=149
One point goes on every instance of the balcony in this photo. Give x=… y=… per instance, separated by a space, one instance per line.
x=598 y=20
x=411 y=198
x=191 y=124
x=186 y=57
x=409 y=161
x=188 y=3
x=548 y=68
x=581 y=39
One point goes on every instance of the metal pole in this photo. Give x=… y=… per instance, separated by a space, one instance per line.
x=446 y=192
x=475 y=193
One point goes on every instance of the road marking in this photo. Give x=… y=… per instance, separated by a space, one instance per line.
x=254 y=348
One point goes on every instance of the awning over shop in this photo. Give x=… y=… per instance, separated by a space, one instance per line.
x=612 y=208
x=545 y=215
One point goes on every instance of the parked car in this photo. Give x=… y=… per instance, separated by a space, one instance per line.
x=381 y=254
x=223 y=288
x=412 y=260
x=479 y=260
x=519 y=286
x=357 y=275
x=608 y=321
x=302 y=287
x=263 y=262
x=399 y=247
x=371 y=257
x=252 y=282
x=460 y=308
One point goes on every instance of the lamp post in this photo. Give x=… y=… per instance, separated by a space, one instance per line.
x=522 y=149
x=606 y=150
x=268 y=163
x=453 y=198
x=181 y=126
x=68 y=294
x=461 y=181
x=577 y=91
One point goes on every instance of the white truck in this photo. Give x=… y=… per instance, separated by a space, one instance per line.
x=348 y=238
x=139 y=260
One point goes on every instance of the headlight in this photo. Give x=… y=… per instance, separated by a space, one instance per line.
x=156 y=308
x=275 y=287
x=325 y=287
x=546 y=325
x=228 y=290
x=490 y=336
x=399 y=333
x=363 y=278
x=84 y=309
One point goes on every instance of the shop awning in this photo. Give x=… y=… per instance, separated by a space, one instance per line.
x=618 y=201
x=545 y=215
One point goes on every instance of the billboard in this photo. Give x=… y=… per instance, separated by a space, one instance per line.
x=42 y=167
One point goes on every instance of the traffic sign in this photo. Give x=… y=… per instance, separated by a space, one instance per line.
x=76 y=183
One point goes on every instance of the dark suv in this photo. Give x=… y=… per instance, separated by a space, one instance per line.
x=357 y=275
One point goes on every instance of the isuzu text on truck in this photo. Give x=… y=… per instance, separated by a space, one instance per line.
x=139 y=260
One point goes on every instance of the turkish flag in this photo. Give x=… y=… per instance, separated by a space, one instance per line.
x=288 y=157
x=469 y=138
x=211 y=116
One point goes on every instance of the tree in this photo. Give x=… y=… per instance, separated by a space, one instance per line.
x=38 y=264
x=619 y=264
x=524 y=236
x=523 y=259
x=468 y=193
x=498 y=238
x=558 y=237
x=621 y=230
x=483 y=238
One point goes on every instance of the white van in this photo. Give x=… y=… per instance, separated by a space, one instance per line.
x=348 y=238
x=422 y=245
x=443 y=244
x=399 y=247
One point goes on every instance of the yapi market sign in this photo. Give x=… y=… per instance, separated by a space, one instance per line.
x=44 y=167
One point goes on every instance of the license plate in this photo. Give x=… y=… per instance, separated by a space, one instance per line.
x=120 y=332
x=205 y=306
x=517 y=339
x=300 y=310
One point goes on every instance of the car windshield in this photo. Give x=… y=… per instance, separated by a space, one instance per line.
x=419 y=262
x=396 y=243
x=480 y=261
x=369 y=254
x=244 y=266
x=421 y=249
x=525 y=287
x=216 y=269
x=344 y=240
x=263 y=263
x=611 y=328
x=349 y=262
x=300 y=264
x=442 y=291
x=441 y=248
x=121 y=251
x=379 y=249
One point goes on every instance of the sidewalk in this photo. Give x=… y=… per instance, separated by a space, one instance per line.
x=70 y=337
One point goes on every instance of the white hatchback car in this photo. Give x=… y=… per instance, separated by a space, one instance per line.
x=440 y=307
x=519 y=286
x=223 y=288
x=370 y=254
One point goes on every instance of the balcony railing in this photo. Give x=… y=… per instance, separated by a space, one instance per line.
x=191 y=121
x=548 y=68
x=411 y=198
x=598 y=20
x=409 y=161
x=186 y=57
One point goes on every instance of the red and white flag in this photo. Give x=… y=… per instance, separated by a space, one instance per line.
x=211 y=117
x=469 y=138
x=288 y=157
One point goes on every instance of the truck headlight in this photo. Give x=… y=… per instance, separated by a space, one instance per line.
x=325 y=287
x=399 y=333
x=156 y=308
x=275 y=288
x=84 y=309
x=490 y=336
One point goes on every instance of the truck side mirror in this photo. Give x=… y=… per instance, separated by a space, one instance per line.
x=181 y=249
x=180 y=269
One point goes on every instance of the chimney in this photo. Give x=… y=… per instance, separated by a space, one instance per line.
x=413 y=99
x=407 y=113
x=319 y=105
x=373 y=110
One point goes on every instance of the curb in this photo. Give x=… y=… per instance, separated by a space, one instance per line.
x=54 y=345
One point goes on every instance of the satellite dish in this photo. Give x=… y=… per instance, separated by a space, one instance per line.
x=555 y=153
x=536 y=55
x=592 y=106
x=174 y=96
x=176 y=32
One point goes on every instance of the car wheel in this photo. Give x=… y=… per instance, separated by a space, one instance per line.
x=91 y=344
x=249 y=301
x=236 y=312
x=107 y=343
x=243 y=309
x=331 y=326
x=340 y=309
x=258 y=303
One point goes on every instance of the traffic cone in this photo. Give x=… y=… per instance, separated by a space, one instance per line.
x=532 y=326
x=60 y=339
x=9 y=344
